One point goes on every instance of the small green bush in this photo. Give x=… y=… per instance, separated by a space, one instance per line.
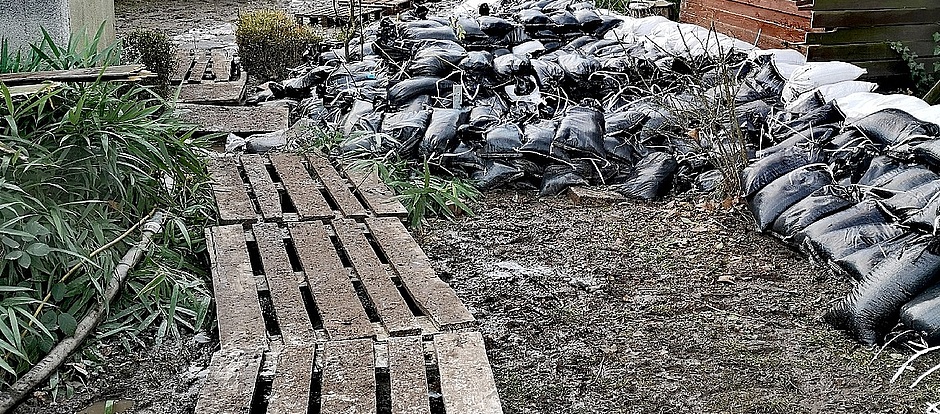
x=154 y=50
x=270 y=42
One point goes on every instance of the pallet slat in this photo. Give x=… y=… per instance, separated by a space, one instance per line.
x=835 y=5
x=268 y=199
x=431 y=294
x=850 y=35
x=339 y=306
x=229 y=191
x=233 y=119
x=874 y=17
x=378 y=197
x=408 y=376
x=337 y=186
x=467 y=382
x=230 y=385
x=391 y=307
x=290 y=391
x=348 y=377
x=301 y=188
x=233 y=283
x=866 y=51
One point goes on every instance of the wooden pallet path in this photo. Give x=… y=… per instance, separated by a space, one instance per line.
x=335 y=310
x=335 y=13
x=208 y=77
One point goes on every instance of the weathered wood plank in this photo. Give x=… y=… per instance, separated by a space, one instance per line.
x=777 y=6
x=408 y=376
x=229 y=191
x=348 y=377
x=866 y=51
x=119 y=72
x=429 y=292
x=339 y=307
x=214 y=93
x=184 y=62
x=593 y=197
x=847 y=35
x=203 y=59
x=391 y=307
x=301 y=188
x=836 y=5
x=233 y=283
x=268 y=199
x=230 y=384
x=234 y=119
x=290 y=390
x=221 y=67
x=855 y=18
x=466 y=377
x=337 y=186
x=707 y=11
x=378 y=197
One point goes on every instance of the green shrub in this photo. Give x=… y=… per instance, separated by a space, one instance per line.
x=79 y=164
x=154 y=50
x=270 y=42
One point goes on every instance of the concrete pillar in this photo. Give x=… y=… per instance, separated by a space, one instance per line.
x=61 y=18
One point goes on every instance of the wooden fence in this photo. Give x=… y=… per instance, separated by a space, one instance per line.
x=856 y=31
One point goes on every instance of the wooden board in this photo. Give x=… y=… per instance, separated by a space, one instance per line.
x=340 y=309
x=866 y=51
x=774 y=26
x=855 y=35
x=301 y=188
x=337 y=186
x=290 y=390
x=229 y=191
x=234 y=119
x=110 y=73
x=408 y=376
x=268 y=198
x=348 y=384
x=837 y=5
x=378 y=197
x=214 y=93
x=236 y=297
x=429 y=292
x=389 y=304
x=466 y=377
x=184 y=60
x=230 y=384
x=585 y=196
x=875 y=17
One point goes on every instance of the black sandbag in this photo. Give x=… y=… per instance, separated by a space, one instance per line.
x=893 y=126
x=859 y=264
x=784 y=192
x=496 y=174
x=495 y=26
x=651 y=177
x=909 y=179
x=709 y=181
x=928 y=152
x=407 y=90
x=588 y=19
x=558 y=178
x=511 y=64
x=840 y=243
x=819 y=136
x=539 y=137
x=483 y=117
x=826 y=114
x=477 y=62
x=548 y=74
x=532 y=17
x=903 y=205
x=922 y=314
x=465 y=156
x=608 y=22
x=578 y=67
x=407 y=128
x=881 y=170
x=625 y=123
x=502 y=141
x=618 y=149
x=763 y=83
x=372 y=143
x=299 y=87
x=565 y=22
x=820 y=204
x=865 y=212
x=470 y=29
x=359 y=109
x=441 y=134
x=873 y=307
x=926 y=218
x=436 y=58
x=582 y=130
x=431 y=33
x=767 y=169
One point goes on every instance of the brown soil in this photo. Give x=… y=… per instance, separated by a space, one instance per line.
x=620 y=309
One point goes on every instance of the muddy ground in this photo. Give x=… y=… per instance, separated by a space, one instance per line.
x=660 y=307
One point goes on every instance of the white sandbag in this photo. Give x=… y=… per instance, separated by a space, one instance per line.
x=928 y=114
x=859 y=105
x=815 y=74
x=471 y=8
x=529 y=48
x=788 y=56
x=827 y=93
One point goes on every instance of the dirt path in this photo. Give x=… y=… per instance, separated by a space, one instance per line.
x=619 y=309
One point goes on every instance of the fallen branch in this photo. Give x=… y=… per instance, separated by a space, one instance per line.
x=111 y=73
x=86 y=326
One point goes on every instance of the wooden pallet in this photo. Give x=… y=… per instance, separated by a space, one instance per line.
x=208 y=77
x=330 y=14
x=352 y=316
x=281 y=187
